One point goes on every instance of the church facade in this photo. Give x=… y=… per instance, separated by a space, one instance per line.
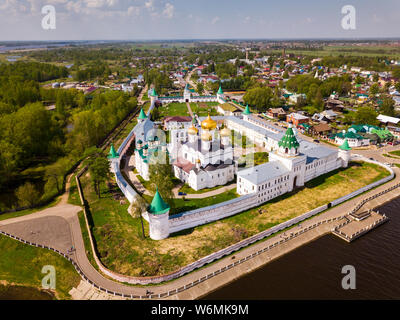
x=290 y=166
x=205 y=160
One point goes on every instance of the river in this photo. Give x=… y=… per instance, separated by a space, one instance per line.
x=313 y=271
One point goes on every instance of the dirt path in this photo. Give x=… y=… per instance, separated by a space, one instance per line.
x=65 y=229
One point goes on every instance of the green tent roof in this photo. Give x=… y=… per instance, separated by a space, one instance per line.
x=220 y=90
x=153 y=93
x=113 y=154
x=247 y=110
x=289 y=140
x=345 y=145
x=158 y=206
x=142 y=115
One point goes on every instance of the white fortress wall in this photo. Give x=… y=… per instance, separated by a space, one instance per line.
x=190 y=219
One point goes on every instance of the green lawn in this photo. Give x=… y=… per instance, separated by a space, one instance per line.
x=174 y=109
x=202 y=109
x=395 y=153
x=122 y=248
x=254 y=159
x=22 y=264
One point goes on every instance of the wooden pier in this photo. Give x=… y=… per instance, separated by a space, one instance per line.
x=358 y=224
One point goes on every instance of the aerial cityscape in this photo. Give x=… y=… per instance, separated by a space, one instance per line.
x=176 y=152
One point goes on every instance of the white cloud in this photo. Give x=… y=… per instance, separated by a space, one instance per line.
x=133 y=11
x=215 y=20
x=168 y=10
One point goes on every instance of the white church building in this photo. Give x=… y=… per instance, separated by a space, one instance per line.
x=290 y=166
x=206 y=159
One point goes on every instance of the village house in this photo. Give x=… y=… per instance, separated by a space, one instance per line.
x=296 y=119
x=276 y=113
x=322 y=129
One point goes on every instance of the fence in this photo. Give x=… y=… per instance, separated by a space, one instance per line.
x=220 y=253
x=223 y=252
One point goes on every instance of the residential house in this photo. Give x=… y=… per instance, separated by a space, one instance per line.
x=296 y=119
x=322 y=129
x=276 y=113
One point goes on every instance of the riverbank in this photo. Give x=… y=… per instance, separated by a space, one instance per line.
x=260 y=260
x=185 y=283
x=318 y=264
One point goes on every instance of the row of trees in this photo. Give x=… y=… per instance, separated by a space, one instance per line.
x=30 y=135
x=262 y=98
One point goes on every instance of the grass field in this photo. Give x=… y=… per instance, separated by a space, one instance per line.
x=174 y=109
x=254 y=159
x=122 y=248
x=364 y=51
x=22 y=264
x=202 y=109
x=395 y=153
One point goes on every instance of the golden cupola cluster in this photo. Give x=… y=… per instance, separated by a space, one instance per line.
x=208 y=123
x=193 y=130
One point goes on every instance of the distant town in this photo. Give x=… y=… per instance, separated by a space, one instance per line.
x=166 y=164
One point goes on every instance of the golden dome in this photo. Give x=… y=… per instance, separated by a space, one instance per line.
x=208 y=124
x=206 y=136
x=225 y=132
x=193 y=130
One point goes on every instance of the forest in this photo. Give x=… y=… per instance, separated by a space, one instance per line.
x=39 y=146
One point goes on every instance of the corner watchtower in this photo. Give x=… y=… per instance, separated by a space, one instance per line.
x=158 y=212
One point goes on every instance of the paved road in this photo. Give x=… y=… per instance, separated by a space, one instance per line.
x=59 y=226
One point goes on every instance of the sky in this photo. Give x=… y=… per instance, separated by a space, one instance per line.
x=196 y=19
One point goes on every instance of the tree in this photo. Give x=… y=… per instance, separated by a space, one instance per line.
x=99 y=172
x=160 y=174
x=366 y=115
x=318 y=101
x=387 y=107
x=27 y=195
x=396 y=73
x=373 y=90
x=137 y=207
x=285 y=75
x=200 y=88
x=55 y=172
x=259 y=97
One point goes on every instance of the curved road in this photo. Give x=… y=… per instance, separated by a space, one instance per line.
x=59 y=228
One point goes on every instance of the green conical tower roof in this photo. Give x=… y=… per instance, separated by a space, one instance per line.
x=220 y=90
x=158 y=205
x=247 y=110
x=113 y=154
x=153 y=93
x=345 y=145
x=142 y=115
x=289 y=140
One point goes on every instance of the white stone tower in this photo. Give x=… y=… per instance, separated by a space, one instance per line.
x=344 y=153
x=158 y=213
x=153 y=96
